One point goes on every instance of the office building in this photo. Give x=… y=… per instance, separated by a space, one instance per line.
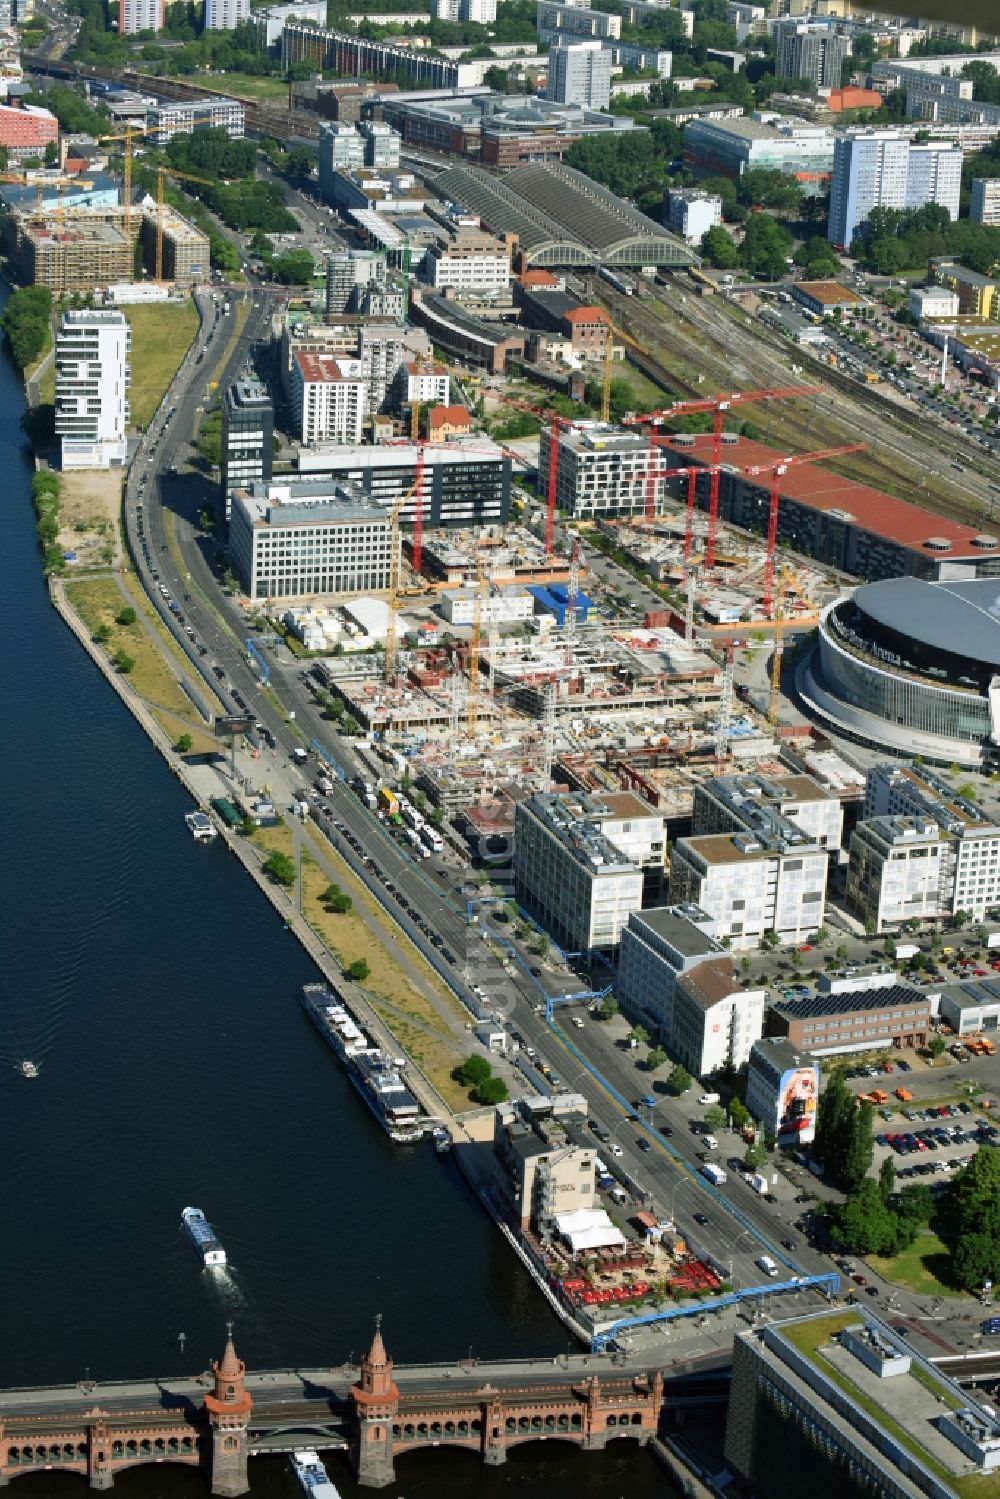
x=92 y=380
x=247 y=438
x=26 y=131
x=328 y=398
x=465 y=257
x=900 y=869
x=807 y=50
x=341 y=149
x=291 y=539
x=843 y=1021
x=580 y=73
x=715 y=1020
x=657 y=947
x=837 y=1402
x=876 y=168
x=462 y=484
x=381 y=144
x=498 y=130
x=349 y=273
x=538 y=1172
x=782 y=143
x=581 y=864
x=171 y=117
x=602 y=470
x=745 y=803
x=984 y=205
x=556 y=23
x=691 y=213
x=225 y=15
x=141 y=15
x=782 y=1092
x=770 y=880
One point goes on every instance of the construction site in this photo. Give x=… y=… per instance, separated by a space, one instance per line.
x=592 y=689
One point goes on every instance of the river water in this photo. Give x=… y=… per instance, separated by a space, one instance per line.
x=158 y=992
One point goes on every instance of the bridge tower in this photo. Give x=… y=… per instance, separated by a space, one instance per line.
x=228 y=1410
x=376 y=1403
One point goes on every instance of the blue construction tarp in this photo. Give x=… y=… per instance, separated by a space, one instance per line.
x=554 y=600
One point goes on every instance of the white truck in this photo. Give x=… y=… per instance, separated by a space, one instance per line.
x=713 y=1173
x=768 y=1266
x=906 y=950
x=758 y=1181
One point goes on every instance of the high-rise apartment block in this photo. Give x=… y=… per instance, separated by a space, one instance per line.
x=92 y=379
x=886 y=169
x=328 y=398
x=580 y=73
x=349 y=274
x=142 y=15
x=225 y=15
x=805 y=50
x=247 y=438
x=984 y=207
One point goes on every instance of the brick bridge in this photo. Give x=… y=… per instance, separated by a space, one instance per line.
x=219 y=1421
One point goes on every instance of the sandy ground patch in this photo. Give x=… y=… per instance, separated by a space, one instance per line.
x=89 y=511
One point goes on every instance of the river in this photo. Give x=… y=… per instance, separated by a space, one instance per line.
x=157 y=990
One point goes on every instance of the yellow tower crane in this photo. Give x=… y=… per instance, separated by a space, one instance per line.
x=609 y=364
x=476 y=646
x=395 y=579
x=161 y=173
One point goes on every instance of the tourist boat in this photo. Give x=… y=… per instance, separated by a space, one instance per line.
x=201 y=828
x=312 y=1475
x=442 y=1140
x=29 y=1069
x=202 y=1235
x=373 y=1072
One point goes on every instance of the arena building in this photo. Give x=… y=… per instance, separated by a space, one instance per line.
x=913 y=665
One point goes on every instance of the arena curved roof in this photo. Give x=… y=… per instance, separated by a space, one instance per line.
x=561 y=217
x=961 y=619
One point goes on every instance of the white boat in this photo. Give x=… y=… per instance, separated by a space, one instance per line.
x=201 y=828
x=202 y=1235
x=312 y=1475
x=29 y=1069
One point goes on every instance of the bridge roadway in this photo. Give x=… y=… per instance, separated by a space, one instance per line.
x=321 y=1397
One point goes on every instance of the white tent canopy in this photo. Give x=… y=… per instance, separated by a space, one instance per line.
x=589 y=1228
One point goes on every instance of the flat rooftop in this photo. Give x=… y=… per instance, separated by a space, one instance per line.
x=892 y=997
x=818 y=488
x=677 y=925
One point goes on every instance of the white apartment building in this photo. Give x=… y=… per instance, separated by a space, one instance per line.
x=691 y=213
x=984 y=207
x=92 y=379
x=579 y=73
x=328 y=398
x=900 y=869
x=555 y=21
x=292 y=540
x=716 y=1021
x=932 y=301
x=885 y=169
x=482 y=12
x=751 y=885
x=171 y=116
x=657 y=947
x=421 y=385
x=225 y=15
x=579 y=864
x=972 y=835
x=602 y=470
x=382 y=348
x=756 y=803
x=141 y=15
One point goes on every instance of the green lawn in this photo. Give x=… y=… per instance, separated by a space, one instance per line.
x=161 y=336
x=920 y=1268
x=258 y=90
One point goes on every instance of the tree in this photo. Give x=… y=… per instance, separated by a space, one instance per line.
x=679 y=1080
x=936 y=1045
x=184 y=744
x=492 y=1090
x=916 y=1204
x=102 y=634
x=739 y=1114
x=126 y=616
x=473 y=1071
x=835 y=1144
x=609 y=1007
x=860 y=1149
x=715 y=1116
x=248 y=827
x=51 y=154
x=280 y=868
x=122 y=662
x=341 y=904
x=639 y=1033
x=971 y=1220
x=358 y=970
x=755 y=1155
x=887 y=1178
x=719 y=248
x=656 y=1058
x=864 y=1224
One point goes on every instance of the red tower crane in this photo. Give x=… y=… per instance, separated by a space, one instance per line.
x=776 y=470
x=719 y=405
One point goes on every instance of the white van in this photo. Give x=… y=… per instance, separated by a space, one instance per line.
x=768 y=1266
x=707 y=1098
x=711 y=1143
